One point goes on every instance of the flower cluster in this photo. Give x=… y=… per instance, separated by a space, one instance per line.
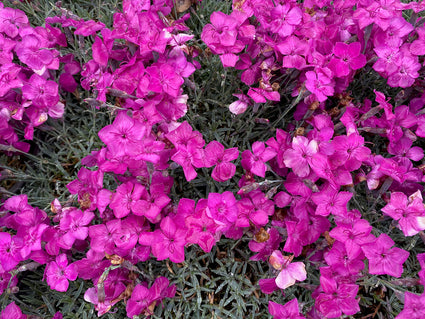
x=316 y=45
x=306 y=212
x=29 y=92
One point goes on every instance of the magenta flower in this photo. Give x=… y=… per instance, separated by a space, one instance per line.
x=58 y=273
x=151 y=205
x=389 y=60
x=320 y=83
x=6 y=53
x=126 y=233
x=221 y=35
x=166 y=242
x=413 y=306
x=347 y=58
x=89 y=27
x=31 y=51
x=254 y=209
x=102 y=236
x=266 y=248
x=12 y=311
x=74 y=225
x=289 y=272
x=299 y=156
x=294 y=51
x=143 y=299
x=290 y=310
x=202 y=230
x=239 y=106
x=188 y=158
x=42 y=93
x=215 y=154
x=417 y=47
x=384 y=260
x=343 y=262
x=409 y=212
x=10 y=251
x=330 y=201
x=9 y=78
x=222 y=209
x=353 y=235
x=184 y=136
x=284 y=19
x=12 y=19
x=163 y=78
x=124 y=135
x=337 y=298
x=349 y=151
x=255 y=161
x=124 y=199
x=406 y=73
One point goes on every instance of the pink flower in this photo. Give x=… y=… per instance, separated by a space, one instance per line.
x=6 y=54
x=336 y=298
x=166 y=242
x=289 y=272
x=347 y=58
x=284 y=19
x=185 y=136
x=42 y=93
x=239 y=106
x=31 y=51
x=299 y=156
x=123 y=136
x=10 y=249
x=294 y=51
x=266 y=248
x=163 y=78
x=202 y=230
x=290 y=310
x=349 y=151
x=151 y=204
x=215 y=154
x=73 y=224
x=406 y=73
x=188 y=158
x=58 y=273
x=320 y=83
x=124 y=199
x=413 y=306
x=143 y=299
x=12 y=311
x=330 y=201
x=12 y=19
x=222 y=209
x=384 y=260
x=255 y=161
x=409 y=212
x=353 y=235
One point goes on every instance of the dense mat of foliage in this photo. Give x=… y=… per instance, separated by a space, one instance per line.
x=133 y=184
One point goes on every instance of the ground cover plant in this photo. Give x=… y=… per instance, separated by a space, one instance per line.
x=214 y=159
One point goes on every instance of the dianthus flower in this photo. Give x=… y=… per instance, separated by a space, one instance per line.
x=320 y=83
x=409 y=212
x=290 y=310
x=347 y=58
x=413 y=306
x=299 y=156
x=166 y=242
x=289 y=272
x=215 y=154
x=58 y=273
x=384 y=260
